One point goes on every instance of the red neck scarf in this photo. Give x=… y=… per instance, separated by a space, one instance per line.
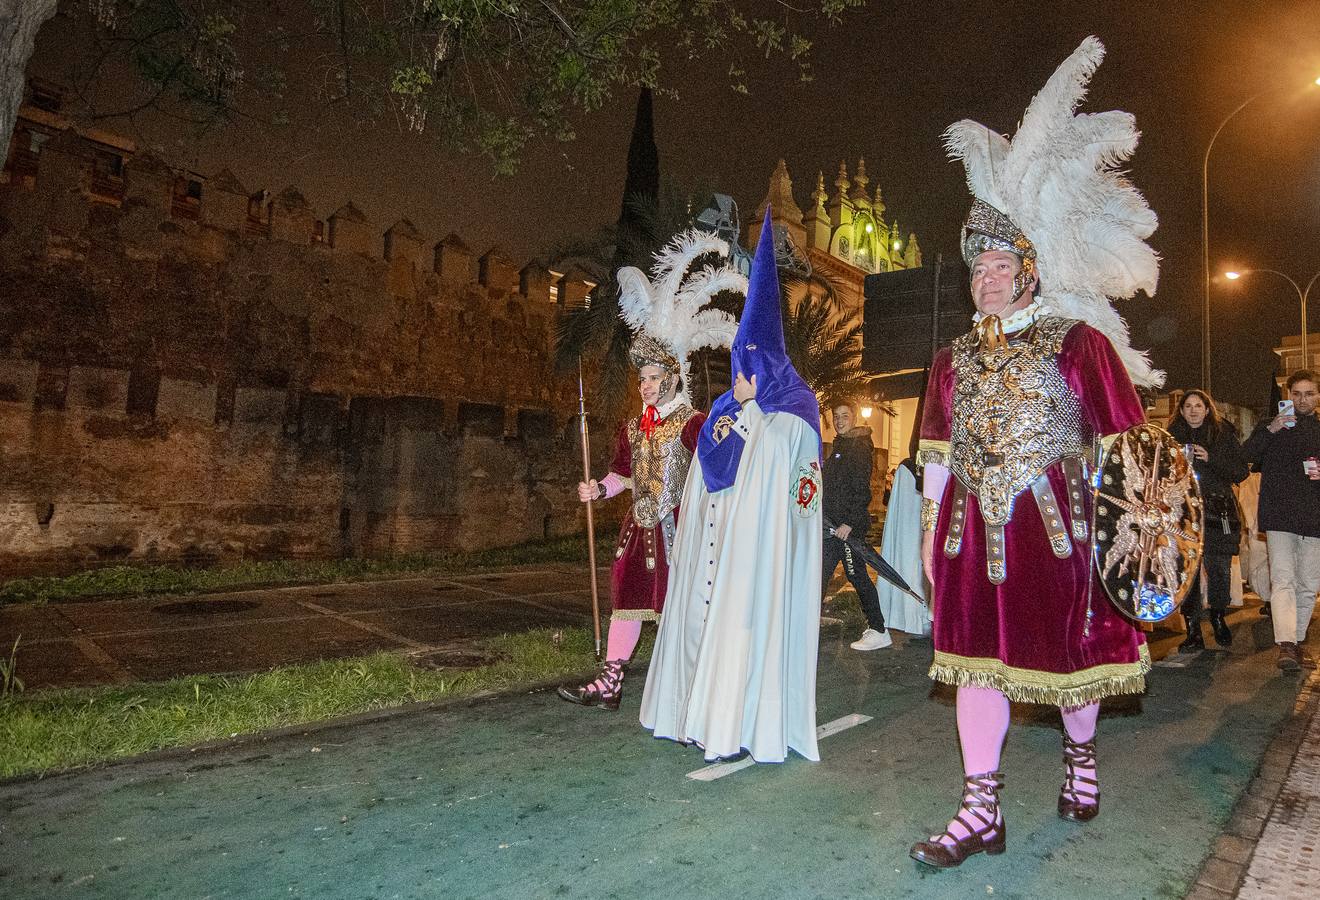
x=650 y=419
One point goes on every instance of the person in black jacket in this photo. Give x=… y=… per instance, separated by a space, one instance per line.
x=846 y=495
x=1219 y=464
x=1286 y=449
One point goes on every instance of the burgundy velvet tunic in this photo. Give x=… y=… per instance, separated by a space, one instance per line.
x=637 y=592
x=1029 y=636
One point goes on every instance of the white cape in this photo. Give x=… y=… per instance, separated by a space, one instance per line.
x=734 y=666
x=901 y=548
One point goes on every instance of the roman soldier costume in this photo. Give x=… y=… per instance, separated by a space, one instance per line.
x=1016 y=413
x=651 y=456
x=654 y=449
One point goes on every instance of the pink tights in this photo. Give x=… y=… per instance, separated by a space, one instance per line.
x=982 y=725
x=620 y=643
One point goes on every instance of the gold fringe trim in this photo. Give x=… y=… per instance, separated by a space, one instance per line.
x=932 y=451
x=634 y=615
x=1032 y=686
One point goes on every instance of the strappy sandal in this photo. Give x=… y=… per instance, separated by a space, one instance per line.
x=979 y=814
x=607 y=695
x=1074 y=805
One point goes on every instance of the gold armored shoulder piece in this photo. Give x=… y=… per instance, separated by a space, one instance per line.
x=1052 y=330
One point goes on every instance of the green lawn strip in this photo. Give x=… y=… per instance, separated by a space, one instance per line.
x=47 y=731
x=133 y=581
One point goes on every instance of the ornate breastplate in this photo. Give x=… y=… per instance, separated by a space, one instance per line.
x=659 y=467
x=1013 y=415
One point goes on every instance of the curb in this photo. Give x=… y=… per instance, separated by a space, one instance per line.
x=1222 y=874
x=169 y=754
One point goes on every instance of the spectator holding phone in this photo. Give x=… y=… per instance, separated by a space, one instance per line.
x=1286 y=450
x=1219 y=464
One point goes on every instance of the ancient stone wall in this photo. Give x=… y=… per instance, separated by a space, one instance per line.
x=191 y=370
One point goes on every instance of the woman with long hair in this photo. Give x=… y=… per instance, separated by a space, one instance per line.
x=1219 y=464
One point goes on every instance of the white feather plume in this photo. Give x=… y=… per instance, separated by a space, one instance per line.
x=670 y=306
x=1058 y=180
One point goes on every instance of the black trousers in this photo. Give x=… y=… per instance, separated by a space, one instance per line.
x=1218 y=569
x=835 y=552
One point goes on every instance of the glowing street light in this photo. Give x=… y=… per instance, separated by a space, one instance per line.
x=1205 y=238
x=866 y=412
x=1302 y=294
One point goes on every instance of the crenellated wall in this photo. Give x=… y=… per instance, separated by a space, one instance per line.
x=193 y=370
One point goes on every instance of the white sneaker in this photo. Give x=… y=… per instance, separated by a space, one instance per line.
x=873 y=640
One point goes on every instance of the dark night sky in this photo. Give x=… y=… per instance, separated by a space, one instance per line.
x=888 y=82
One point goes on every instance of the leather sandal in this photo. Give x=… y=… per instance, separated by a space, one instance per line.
x=607 y=695
x=979 y=814
x=1074 y=805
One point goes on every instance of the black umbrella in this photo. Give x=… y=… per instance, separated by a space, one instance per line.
x=868 y=555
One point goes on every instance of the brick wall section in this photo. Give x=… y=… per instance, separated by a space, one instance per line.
x=175 y=388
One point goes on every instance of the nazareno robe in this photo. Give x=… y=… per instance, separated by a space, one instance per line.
x=637 y=591
x=1029 y=637
x=734 y=665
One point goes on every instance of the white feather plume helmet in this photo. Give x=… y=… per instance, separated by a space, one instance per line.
x=670 y=306
x=1058 y=180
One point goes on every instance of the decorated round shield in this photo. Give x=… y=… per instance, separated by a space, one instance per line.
x=1148 y=523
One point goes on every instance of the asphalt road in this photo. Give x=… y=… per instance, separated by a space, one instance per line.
x=525 y=796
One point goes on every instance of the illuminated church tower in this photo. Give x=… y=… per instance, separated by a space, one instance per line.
x=844 y=235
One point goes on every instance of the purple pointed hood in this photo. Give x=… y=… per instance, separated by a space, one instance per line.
x=758 y=349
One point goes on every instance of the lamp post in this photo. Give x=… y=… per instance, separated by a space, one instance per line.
x=1205 y=242
x=1302 y=294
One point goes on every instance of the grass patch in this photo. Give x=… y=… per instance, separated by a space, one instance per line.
x=52 y=730
x=134 y=581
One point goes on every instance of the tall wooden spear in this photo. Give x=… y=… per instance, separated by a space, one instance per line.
x=591 y=519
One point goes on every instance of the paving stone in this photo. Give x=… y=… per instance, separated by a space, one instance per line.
x=1255 y=806
x=1245 y=826
x=1267 y=788
x=1286 y=864
x=470 y=622
x=244 y=648
x=1234 y=849
x=172 y=613
x=30 y=624
x=1221 y=875
x=61 y=663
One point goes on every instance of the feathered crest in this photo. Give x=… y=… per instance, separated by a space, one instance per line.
x=1057 y=179
x=670 y=305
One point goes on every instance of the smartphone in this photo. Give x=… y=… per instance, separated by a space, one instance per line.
x=1286 y=409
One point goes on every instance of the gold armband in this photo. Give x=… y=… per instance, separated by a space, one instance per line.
x=930 y=513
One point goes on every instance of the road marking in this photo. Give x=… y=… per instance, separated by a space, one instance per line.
x=364 y=626
x=719 y=770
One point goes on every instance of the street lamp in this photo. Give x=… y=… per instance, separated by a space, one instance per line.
x=1302 y=294
x=1205 y=240
x=1205 y=243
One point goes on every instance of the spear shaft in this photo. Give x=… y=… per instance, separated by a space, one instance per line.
x=591 y=519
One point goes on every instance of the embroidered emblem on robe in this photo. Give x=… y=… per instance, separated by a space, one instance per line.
x=720 y=430
x=806 y=493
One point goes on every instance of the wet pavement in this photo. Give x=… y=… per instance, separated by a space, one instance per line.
x=1208 y=778
x=524 y=796
x=152 y=639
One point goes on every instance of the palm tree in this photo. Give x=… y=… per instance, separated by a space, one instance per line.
x=825 y=350
x=595 y=333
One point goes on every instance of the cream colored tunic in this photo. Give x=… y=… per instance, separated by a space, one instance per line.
x=734 y=665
